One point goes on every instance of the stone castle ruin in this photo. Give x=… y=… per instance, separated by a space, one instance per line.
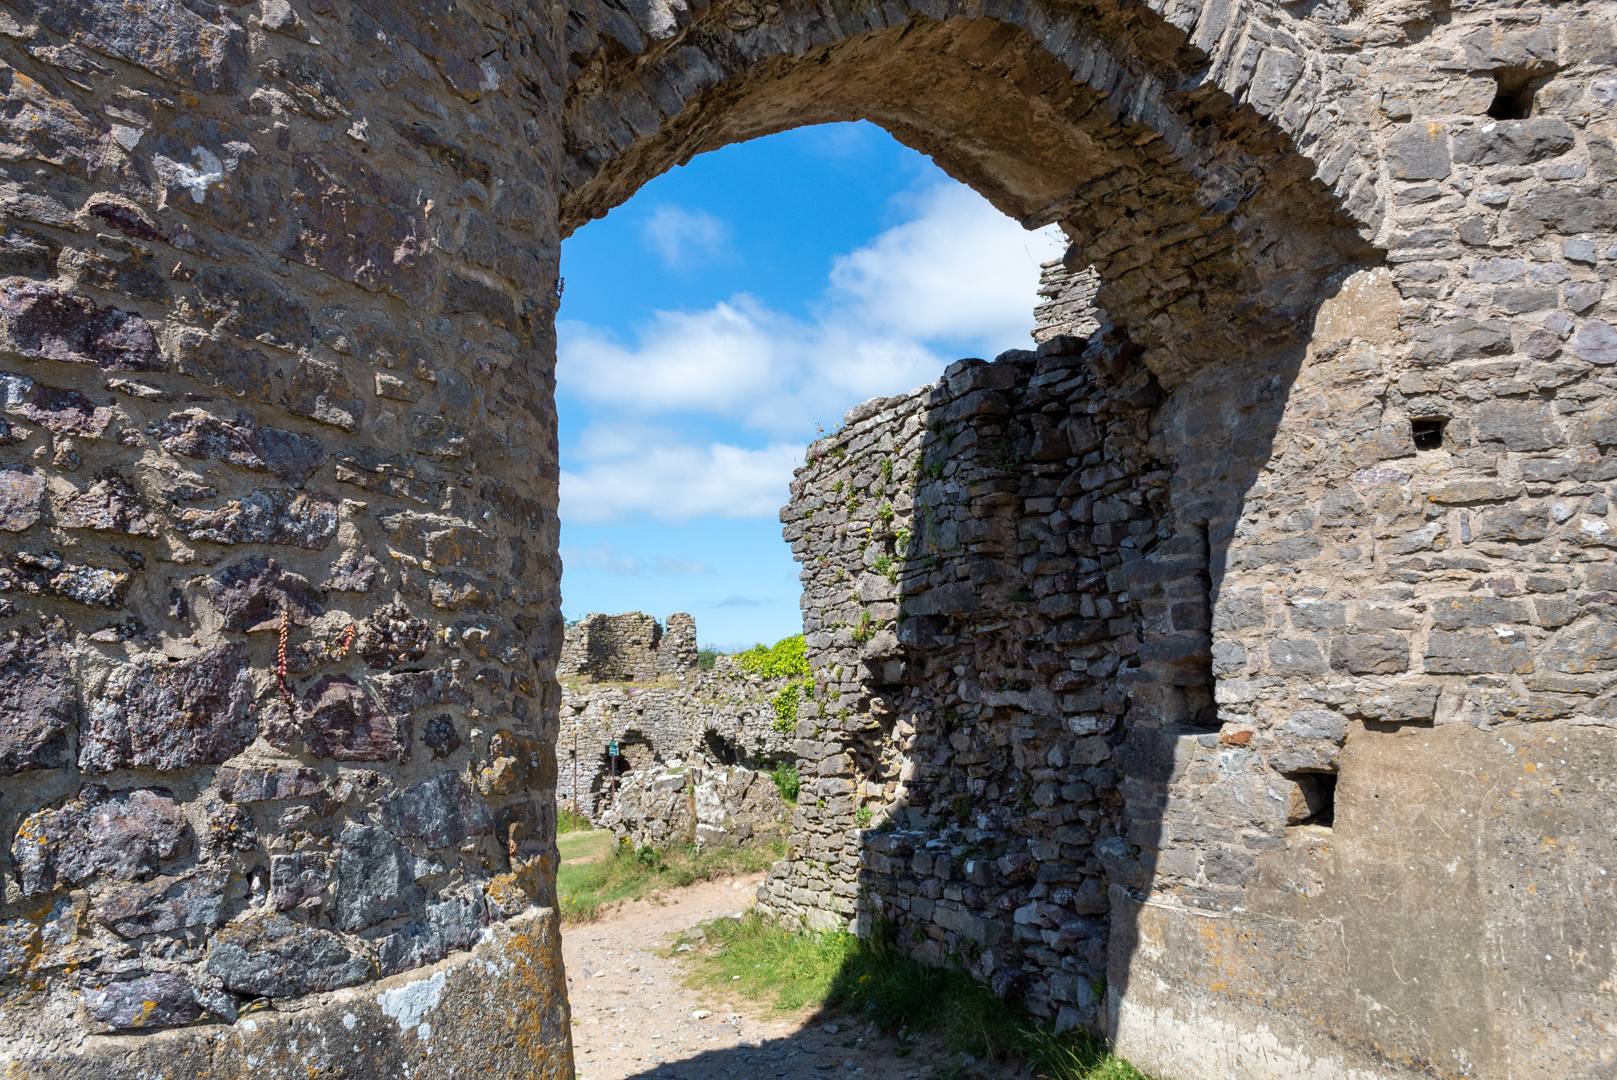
x=1252 y=648
x=627 y=680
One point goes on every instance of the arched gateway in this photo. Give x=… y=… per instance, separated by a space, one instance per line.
x=1315 y=529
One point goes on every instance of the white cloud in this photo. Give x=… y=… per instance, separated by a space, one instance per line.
x=961 y=270
x=681 y=565
x=603 y=556
x=958 y=272
x=682 y=236
x=633 y=472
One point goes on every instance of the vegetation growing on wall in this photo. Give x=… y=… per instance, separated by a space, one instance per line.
x=784 y=659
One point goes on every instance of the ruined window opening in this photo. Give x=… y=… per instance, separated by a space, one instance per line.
x=721 y=749
x=1313 y=799
x=1428 y=434
x=1514 y=98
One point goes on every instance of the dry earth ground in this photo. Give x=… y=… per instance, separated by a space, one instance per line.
x=634 y=1017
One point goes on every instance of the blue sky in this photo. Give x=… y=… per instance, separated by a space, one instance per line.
x=715 y=321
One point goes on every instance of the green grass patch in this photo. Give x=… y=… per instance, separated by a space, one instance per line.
x=567 y=821
x=585 y=890
x=871 y=978
x=593 y=844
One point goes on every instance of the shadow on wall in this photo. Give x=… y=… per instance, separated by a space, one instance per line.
x=1004 y=581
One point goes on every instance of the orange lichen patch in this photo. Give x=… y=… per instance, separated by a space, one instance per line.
x=540 y=1029
x=1235 y=738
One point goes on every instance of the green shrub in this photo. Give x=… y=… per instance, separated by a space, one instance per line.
x=706 y=658
x=862 y=817
x=786 y=782
x=786 y=658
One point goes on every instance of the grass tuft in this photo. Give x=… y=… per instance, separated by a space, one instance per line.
x=586 y=890
x=872 y=978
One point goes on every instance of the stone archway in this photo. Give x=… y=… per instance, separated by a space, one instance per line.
x=308 y=253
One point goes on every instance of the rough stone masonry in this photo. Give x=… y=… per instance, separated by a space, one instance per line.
x=1311 y=533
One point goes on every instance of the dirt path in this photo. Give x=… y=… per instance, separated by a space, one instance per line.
x=633 y=1018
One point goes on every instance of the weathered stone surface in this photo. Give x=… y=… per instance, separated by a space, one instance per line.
x=202 y=53
x=38 y=702
x=154 y=1001
x=338 y=720
x=21 y=490
x=269 y=955
x=442 y=811
x=196 y=433
x=1590 y=645
x=353 y=573
x=48 y=574
x=391 y=637
x=46 y=322
x=1517 y=425
x=66 y=412
x=108 y=505
x=440 y=736
x=125 y=835
x=1370 y=654
x=299 y=880
x=375 y=878
x=294 y=518
x=405 y=692
x=232 y=367
x=1472 y=652
x=320 y=392
x=1513 y=142
x=164 y=904
x=167 y=715
x=352 y=222
x=252 y=595
x=246 y=304
x=261 y=783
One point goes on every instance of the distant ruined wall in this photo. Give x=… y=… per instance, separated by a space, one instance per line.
x=676 y=714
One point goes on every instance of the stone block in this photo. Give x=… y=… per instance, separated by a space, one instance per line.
x=299 y=880
x=46 y=322
x=266 y=783
x=196 y=433
x=21 y=490
x=293 y=518
x=153 y=1001
x=442 y=811
x=1420 y=151
x=320 y=392
x=163 y=714
x=1513 y=142
x=1517 y=425
x=252 y=596
x=1590 y=645
x=375 y=878
x=126 y=835
x=1453 y=612
x=269 y=955
x=1477 y=652
x=1297 y=656
x=164 y=904
x=38 y=701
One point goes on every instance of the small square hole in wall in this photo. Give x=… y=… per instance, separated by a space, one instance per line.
x=1313 y=799
x=1513 y=100
x=1428 y=434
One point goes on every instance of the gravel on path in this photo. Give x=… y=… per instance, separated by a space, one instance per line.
x=634 y=1018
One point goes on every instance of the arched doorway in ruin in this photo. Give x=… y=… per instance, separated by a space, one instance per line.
x=1238 y=219
x=344 y=223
